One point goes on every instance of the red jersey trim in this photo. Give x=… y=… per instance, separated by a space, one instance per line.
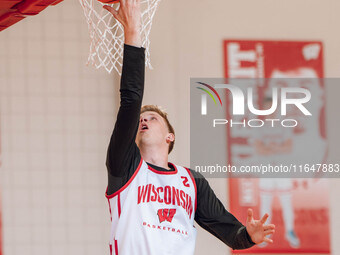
x=194 y=182
x=163 y=172
x=116 y=247
x=126 y=184
x=119 y=208
x=110 y=209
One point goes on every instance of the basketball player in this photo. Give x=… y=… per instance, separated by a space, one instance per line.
x=153 y=203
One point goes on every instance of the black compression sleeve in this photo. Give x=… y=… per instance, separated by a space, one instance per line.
x=122 y=149
x=213 y=217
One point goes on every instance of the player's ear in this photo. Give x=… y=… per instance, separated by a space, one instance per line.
x=170 y=138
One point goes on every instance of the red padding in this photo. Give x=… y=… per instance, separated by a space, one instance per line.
x=57 y=2
x=9 y=19
x=12 y=11
x=8 y=4
x=31 y=7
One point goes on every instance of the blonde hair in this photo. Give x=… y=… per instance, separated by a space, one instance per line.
x=164 y=115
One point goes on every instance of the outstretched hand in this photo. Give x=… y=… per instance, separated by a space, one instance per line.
x=256 y=229
x=129 y=15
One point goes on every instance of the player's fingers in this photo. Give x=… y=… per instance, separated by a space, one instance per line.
x=269 y=226
x=268 y=240
x=264 y=218
x=269 y=232
x=249 y=215
x=110 y=9
x=113 y=11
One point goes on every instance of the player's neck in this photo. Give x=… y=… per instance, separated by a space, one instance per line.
x=155 y=156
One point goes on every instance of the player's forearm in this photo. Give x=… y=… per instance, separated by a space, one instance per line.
x=242 y=239
x=133 y=72
x=228 y=229
x=213 y=217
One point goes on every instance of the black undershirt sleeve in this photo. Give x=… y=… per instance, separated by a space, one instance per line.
x=213 y=217
x=123 y=155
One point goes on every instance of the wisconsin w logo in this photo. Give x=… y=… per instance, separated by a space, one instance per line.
x=166 y=214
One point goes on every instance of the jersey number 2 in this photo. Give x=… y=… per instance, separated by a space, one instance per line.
x=185 y=181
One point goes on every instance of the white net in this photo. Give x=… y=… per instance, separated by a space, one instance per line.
x=107 y=34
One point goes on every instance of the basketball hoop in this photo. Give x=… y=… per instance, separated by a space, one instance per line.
x=107 y=34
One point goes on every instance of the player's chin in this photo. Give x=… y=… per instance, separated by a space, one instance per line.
x=142 y=134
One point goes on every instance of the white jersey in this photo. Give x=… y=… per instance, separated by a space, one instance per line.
x=153 y=213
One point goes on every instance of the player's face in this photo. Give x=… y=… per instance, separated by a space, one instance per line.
x=152 y=130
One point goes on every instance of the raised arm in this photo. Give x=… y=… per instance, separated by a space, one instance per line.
x=122 y=145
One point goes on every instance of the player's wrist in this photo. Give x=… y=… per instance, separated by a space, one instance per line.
x=132 y=37
x=132 y=30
